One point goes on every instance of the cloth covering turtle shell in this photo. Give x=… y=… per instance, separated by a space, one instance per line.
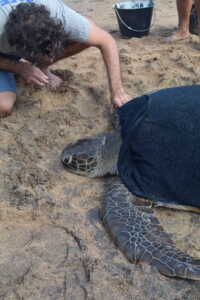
x=160 y=155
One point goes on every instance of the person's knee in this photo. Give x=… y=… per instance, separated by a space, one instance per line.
x=7 y=100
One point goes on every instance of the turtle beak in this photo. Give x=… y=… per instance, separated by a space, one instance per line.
x=67 y=160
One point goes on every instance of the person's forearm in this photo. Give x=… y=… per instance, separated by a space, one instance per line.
x=98 y=37
x=71 y=49
x=111 y=58
x=10 y=65
x=29 y=72
x=74 y=48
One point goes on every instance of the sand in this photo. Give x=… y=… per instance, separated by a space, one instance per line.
x=37 y=192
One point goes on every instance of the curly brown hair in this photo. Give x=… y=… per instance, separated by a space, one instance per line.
x=34 y=33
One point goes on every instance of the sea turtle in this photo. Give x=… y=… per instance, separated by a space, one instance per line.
x=146 y=153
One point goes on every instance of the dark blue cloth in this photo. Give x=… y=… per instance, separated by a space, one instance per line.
x=160 y=154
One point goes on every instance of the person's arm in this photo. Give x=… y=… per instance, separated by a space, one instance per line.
x=26 y=70
x=84 y=31
x=104 y=41
x=72 y=48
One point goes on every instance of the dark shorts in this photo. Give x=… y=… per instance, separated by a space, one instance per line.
x=7 y=79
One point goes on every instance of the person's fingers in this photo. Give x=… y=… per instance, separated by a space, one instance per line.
x=44 y=81
x=37 y=81
x=118 y=104
x=42 y=77
x=121 y=102
x=125 y=100
x=39 y=75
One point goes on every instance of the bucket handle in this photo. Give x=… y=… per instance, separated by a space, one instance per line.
x=128 y=27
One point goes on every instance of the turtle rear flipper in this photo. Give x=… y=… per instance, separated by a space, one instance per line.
x=141 y=238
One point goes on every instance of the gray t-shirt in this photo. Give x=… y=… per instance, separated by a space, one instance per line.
x=76 y=26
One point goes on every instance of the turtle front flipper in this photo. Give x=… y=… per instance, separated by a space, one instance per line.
x=141 y=238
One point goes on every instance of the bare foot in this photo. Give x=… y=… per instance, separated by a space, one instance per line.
x=54 y=81
x=177 y=36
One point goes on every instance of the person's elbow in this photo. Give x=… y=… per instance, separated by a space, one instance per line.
x=100 y=38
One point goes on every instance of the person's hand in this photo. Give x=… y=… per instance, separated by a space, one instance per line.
x=32 y=74
x=119 y=99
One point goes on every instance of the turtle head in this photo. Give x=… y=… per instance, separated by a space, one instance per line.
x=83 y=157
x=92 y=157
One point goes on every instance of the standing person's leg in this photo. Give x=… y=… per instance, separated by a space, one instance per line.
x=7 y=93
x=183 y=9
x=197 y=6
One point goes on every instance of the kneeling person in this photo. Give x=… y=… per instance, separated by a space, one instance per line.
x=43 y=32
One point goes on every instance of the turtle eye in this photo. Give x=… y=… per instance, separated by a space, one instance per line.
x=67 y=160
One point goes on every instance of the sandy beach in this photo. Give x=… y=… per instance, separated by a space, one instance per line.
x=53 y=244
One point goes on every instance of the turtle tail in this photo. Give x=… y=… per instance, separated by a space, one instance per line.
x=141 y=238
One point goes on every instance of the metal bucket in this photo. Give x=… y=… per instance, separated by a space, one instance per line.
x=134 y=17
